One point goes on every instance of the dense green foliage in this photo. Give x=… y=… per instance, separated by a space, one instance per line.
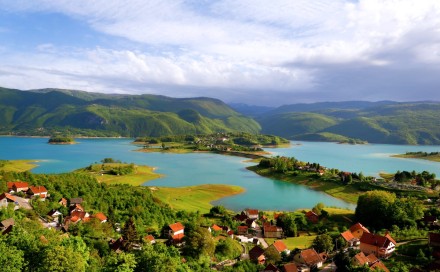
x=60 y=139
x=380 y=122
x=49 y=111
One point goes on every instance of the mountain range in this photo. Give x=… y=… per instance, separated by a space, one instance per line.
x=48 y=111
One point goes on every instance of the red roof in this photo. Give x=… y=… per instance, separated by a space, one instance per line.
x=79 y=214
x=216 y=228
x=17 y=184
x=252 y=212
x=176 y=227
x=347 y=235
x=271 y=267
x=358 y=226
x=38 y=189
x=272 y=229
x=100 y=216
x=290 y=267
x=380 y=266
x=280 y=246
x=178 y=237
x=310 y=256
x=377 y=240
x=149 y=238
x=7 y=196
x=76 y=207
x=361 y=258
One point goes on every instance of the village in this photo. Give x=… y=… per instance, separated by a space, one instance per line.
x=253 y=229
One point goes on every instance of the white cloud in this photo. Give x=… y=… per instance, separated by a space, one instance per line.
x=249 y=45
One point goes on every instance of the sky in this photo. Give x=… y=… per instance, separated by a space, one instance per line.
x=256 y=52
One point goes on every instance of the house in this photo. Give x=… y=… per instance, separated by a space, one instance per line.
x=76 y=208
x=40 y=191
x=241 y=217
x=309 y=257
x=256 y=254
x=175 y=232
x=289 y=267
x=101 y=217
x=251 y=223
x=216 y=228
x=54 y=213
x=117 y=245
x=77 y=216
x=63 y=202
x=242 y=230
x=150 y=239
x=76 y=200
x=434 y=239
x=271 y=268
x=312 y=217
x=230 y=233
x=371 y=260
x=273 y=232
x=357 y=230
x=17 y=186
x=7 y=225
x=350 y=239
x=251 y=213
x=5 y=199
x=280 y=247
x=381 y=246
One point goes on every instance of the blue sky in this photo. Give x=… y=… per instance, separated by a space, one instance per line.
x=249 y=51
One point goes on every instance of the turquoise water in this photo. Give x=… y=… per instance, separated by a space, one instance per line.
x=206 y=168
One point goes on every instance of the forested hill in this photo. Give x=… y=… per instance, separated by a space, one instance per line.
x=375 y=122
x=43 y=112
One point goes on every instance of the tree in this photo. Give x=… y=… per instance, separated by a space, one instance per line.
x=199 y=242
x=120 y=262
x=159 y=258
x=288 y=223
x=323 y=243
x=129 y=233
x=272 y=255
x=62 y=259
x=226 y=249
x=11 y=259
x=373 y=208
x=342 y=261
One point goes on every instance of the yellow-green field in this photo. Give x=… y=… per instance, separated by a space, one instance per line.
x=18 y=165
x=303 y=241
x=195 y=198
x=141 y=175
x=435 y=158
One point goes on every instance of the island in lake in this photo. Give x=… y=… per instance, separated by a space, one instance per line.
x=61 y=140
x=431 y=156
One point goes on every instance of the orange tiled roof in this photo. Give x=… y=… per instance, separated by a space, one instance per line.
x=358 y=226
x=100 y=216
x=178 y=237
x=380 y=266
x=272 y=229
x=290 y=267
x=361 y=258
x=7 y=196
x=216 y=228
x=176 y=227
x=17 y=184
x=376 y=240
x=310 y=256
x=252 y=211
x=149 y=238
x=279 y=245
x=347 y=235
x=38 y=189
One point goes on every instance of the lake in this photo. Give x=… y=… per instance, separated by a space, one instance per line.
x=206 y=168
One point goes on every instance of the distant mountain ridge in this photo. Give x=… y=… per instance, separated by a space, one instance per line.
x=42 y=112
x=376 y=122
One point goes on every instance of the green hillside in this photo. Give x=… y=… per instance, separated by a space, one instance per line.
x=43 y=112
x=375 y=122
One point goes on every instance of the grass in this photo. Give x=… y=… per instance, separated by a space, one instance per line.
x=195 y=198
x=347 y=193
x=435 y=158
x=295 y=242
x=17 y=165
x=141 y=175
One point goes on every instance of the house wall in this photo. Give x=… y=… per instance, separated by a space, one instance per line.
x=4 y=202
x=273 y=234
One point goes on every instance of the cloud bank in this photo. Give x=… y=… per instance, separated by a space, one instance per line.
x=257 y=52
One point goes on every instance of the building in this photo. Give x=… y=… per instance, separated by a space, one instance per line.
x=272 y=232
x=371 y=261
x=5 y=199
x=17 y=186
x=175 y=232
x=357 y=230
x=251 y=213
x=40 y=191
x=280 y=247
x=350 y=239
x=150 y=239
x=380 y=246
x=101 y=217
x=256 y=254
x=309 y=257
x=312 y=217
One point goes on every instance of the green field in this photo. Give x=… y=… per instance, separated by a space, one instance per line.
x=194 y=198
x=435 y=158
x=141 y=175
x=17 y=165
x=304 y=241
